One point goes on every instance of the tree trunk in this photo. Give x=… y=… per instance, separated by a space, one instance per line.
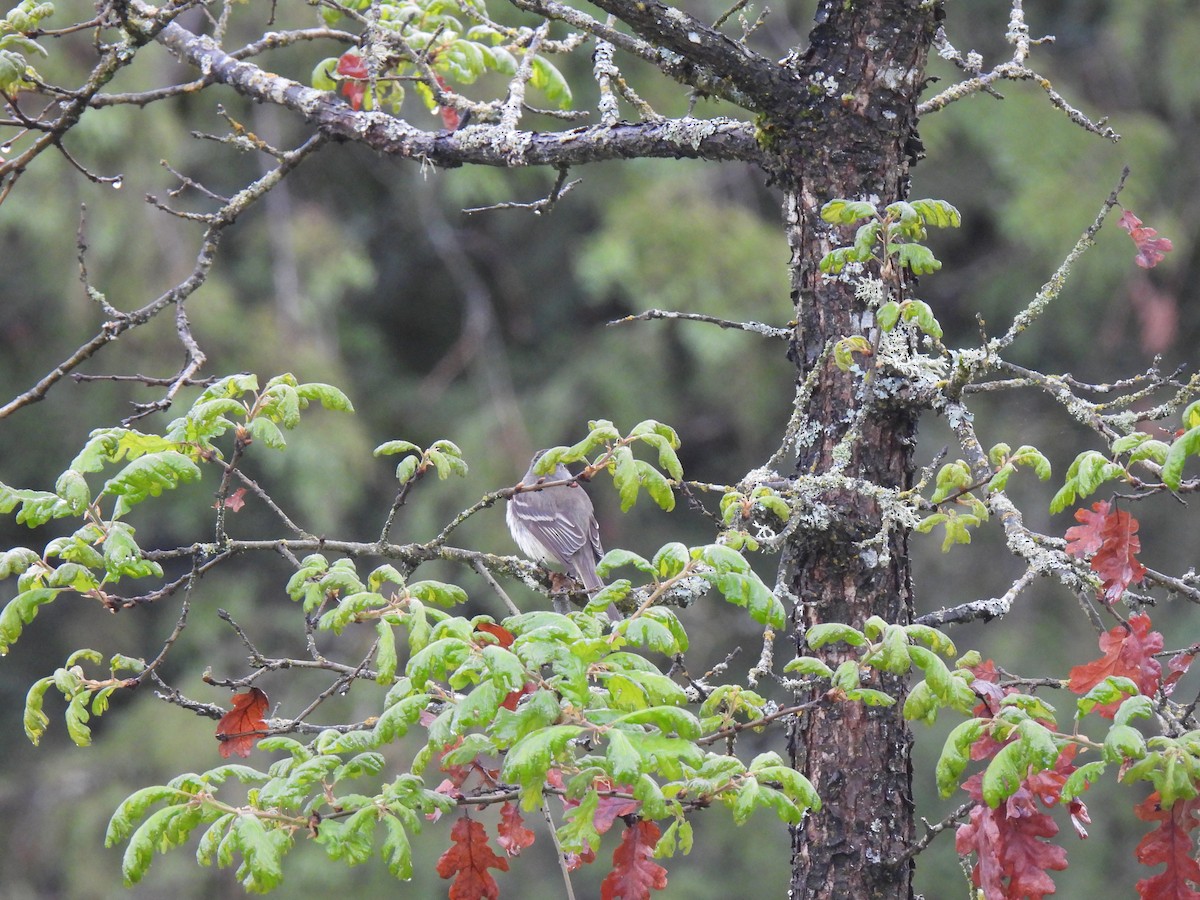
x=855 y=138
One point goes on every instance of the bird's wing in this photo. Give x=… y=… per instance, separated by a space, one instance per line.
x=562 y=538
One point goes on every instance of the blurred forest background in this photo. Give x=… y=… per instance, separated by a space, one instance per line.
x=491 y=330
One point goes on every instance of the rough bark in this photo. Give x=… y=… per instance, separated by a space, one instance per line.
x=855 y=138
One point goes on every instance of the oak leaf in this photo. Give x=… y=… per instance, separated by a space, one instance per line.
x=353 y=66
x=1170 y=843
x=467 y=861
x=1177 y=666
x=239 y=727
x=635 y=873
x=1013 y=859
x=1110 y=538
x=513 y=835
x=1151 y=248
x=1128 y=652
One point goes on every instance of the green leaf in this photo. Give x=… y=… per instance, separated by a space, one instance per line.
x=870 y=697
x=1004 y=773
x=809 y=665
x=36 y=720
x=937 y=213
x=20 y=611
x=37 y=507
x=916 y=257
x=17 y=561
x=846 y=212
x=396 y=850
x=134 y=807
x=263 y=431
x=656 y=485
x=390 y=448
x=888 y=315
x=829 y=632
x=615 y=559
x=844 y=350
x=1182 y=447
x=625 y=477
x=625 y=763
x=528 y=761
x=262 y=853
x=920 y=312
x=547 y=79
x=211 y=839
x=1123 y=742
x=956 y=753
x=148 y=476
x=656 y=629
x=77 y=717
x=327 y=395
x=385 y=655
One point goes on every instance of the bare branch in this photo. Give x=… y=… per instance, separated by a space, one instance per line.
x=756 y=327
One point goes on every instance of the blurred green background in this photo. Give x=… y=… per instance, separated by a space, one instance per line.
x=491 y=330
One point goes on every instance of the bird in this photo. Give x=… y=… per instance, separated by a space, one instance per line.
x=558 y=524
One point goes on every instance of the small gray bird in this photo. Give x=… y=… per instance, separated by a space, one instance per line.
x=558 y=524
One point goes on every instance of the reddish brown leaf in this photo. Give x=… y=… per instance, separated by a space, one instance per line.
x=1177 y=666
x=609 y=808
x=1110 y=538
x=1116 y=561
x=1128 y=652
x=612 y=808
x=514 y=697
x=467 y=861
x=234 y=501
x=1170 y=843
x=635 y=873
x=450 y=117
x=1151 y=248
x=503 y=636
x=239 y=727
x=514 y=836
x=1013 y=860
x=353 y=66
x=575 y=860
x=1083 y=540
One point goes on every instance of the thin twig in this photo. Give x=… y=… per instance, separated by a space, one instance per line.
x=756 y=327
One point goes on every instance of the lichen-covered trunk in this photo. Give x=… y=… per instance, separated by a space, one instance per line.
x=854 y=138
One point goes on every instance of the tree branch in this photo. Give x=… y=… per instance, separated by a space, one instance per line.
x=711 y=139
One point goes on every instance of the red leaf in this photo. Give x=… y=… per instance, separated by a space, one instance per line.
x=514 y=697
x=1012 y=859
x=1178 y=666
x=1110 y=539
x=575 y=860
x=503 y=636
x=1170 y=843
x=635 y=873
x=450 y=116
x=234 y=501
x=1151 y=248
x=467 y=861
x=1128 y=652
x=1084 y=540
x=611 y=808
x=353 y=67
x=514 y=836
x=240 y=726
x=1116 y=562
